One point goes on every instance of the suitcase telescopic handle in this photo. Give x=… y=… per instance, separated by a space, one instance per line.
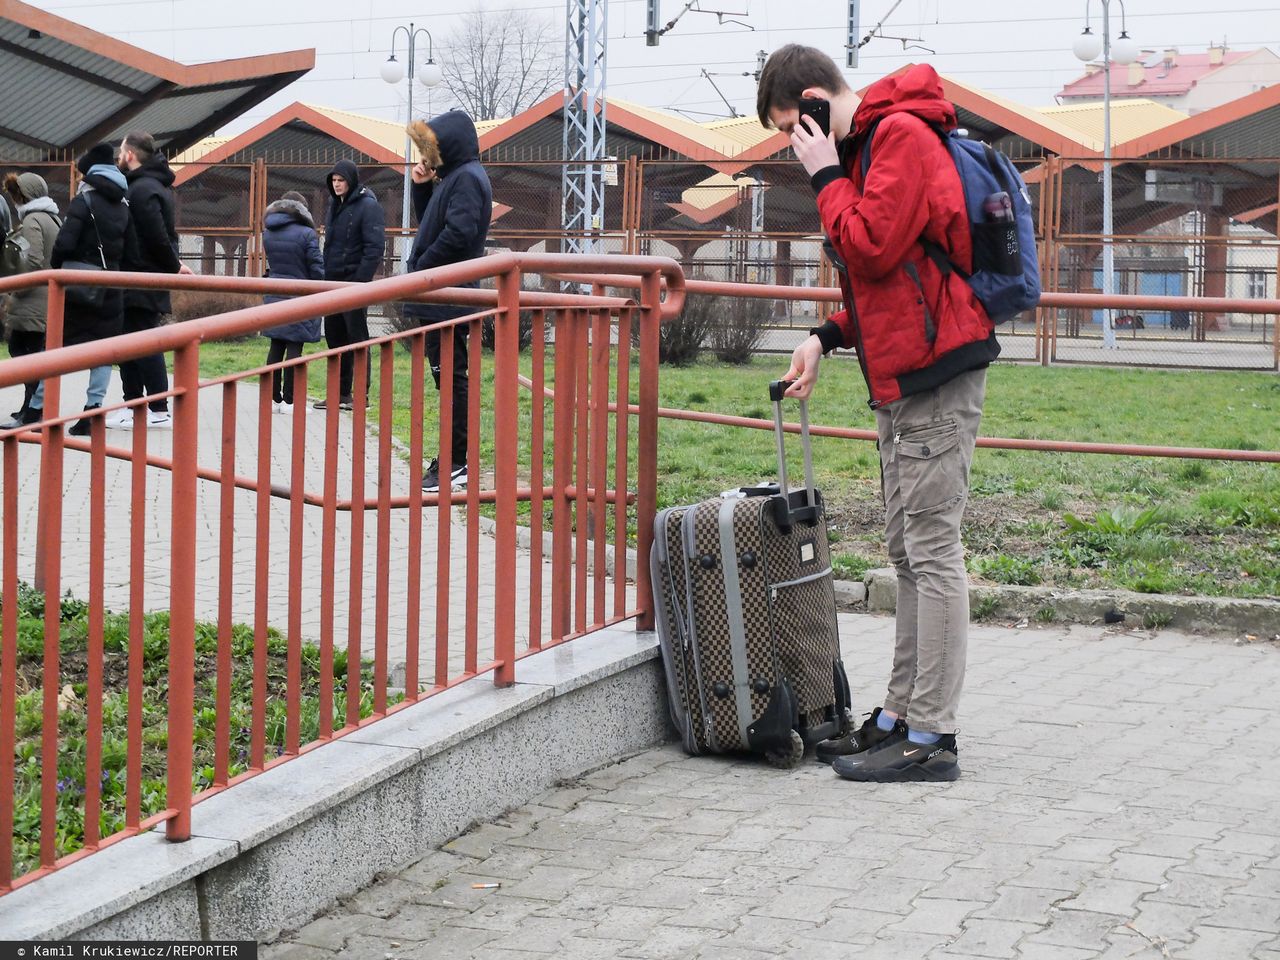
x=777 y=389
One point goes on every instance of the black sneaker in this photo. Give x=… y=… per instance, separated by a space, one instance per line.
x=83 y=426
x=431 y=480
x=866 y=737
x=344 y=403
x=897 y=760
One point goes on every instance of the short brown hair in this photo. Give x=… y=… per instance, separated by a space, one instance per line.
x=141 y=143
x=788 y=72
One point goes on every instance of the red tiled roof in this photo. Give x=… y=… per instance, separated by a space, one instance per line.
x=1188 y=70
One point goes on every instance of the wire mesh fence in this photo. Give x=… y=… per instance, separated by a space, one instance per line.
x=1182 y=226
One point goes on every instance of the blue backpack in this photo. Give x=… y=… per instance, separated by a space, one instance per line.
x=1006 y=273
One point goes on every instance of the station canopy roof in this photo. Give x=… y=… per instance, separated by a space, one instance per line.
x=68 y=87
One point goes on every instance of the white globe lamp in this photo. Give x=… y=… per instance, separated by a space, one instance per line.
x=1087 y=46
x=430 y=74
x=392 y=70
x=1123 y=49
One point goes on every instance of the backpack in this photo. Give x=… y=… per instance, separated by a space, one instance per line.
x=13 y=257
x=1006 y=273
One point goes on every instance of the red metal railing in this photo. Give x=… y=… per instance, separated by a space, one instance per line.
x=592 y=336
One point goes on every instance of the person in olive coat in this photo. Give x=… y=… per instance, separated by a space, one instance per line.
x=293 y=253
x=25 y=316
x=96 y=231
x=155 y=231
x=354 y=245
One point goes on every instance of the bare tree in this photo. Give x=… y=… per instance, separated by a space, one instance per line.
x=499 y=64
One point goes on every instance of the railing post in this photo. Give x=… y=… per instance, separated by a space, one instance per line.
x=505 y=439
x=647 y=447
x=52 y=401
x=182 y=588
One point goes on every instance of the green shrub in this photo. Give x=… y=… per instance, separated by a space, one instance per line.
x=1006 y=569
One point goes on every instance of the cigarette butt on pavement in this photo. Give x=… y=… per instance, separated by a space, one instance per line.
x=485 y=886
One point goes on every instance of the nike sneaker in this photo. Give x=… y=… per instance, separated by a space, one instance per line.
x=856 y=741
x=898 y=760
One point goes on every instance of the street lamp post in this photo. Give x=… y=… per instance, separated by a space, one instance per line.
x=1124 y=51
x=431 y=76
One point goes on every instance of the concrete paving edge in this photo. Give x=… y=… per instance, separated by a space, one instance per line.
x=276 y=850
x=1221 y=616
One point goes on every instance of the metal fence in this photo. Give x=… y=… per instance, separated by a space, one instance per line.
x=1183 y=226
x=238 y=535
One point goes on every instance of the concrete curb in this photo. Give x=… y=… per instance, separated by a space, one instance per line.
x=276 y=850
x=1223 y=616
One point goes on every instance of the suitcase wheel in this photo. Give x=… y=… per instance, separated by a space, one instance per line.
x=787 y=758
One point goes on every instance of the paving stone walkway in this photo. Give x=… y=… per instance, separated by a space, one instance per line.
x=1119 y=800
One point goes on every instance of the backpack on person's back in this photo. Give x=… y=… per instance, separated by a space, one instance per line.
x=13 y=256
x=1006 y=273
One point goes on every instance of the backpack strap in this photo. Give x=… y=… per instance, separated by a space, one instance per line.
x=934 y=252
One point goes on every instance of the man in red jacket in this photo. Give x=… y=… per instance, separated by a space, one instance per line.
x=923 y=341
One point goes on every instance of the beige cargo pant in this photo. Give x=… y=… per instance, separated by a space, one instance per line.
x=926 y=449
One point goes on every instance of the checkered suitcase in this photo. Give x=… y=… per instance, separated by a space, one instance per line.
x=746 y=617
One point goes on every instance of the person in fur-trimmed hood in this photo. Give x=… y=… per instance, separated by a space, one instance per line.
x=354 y=244
x=453 y=200
x=25 y=317
x=293 y=253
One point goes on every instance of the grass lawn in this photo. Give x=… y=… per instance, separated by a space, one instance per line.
x=1071 y=520
x=73 y=715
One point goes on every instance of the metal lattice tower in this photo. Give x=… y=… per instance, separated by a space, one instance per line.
x=582 y=186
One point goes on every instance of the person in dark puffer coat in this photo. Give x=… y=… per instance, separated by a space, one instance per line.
x=293 y=253
x=154 y=225
x=453 y=199
x=354 y=244
x=96 y=231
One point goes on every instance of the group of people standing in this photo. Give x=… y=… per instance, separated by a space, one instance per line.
x=121 y=218
x=453 y=201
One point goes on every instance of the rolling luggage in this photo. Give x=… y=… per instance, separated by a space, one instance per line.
x=747 y=619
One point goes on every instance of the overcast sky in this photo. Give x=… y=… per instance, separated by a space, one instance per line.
x=1019 y=50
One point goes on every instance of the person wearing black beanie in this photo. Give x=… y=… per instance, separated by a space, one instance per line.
x=102 y=153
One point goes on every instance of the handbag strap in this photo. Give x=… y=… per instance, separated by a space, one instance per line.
x=88 y=202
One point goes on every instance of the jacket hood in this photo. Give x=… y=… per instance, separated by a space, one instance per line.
x=290 y=211
x=107 y=180
x=38 y=205
x=348 y=172
x=916 y=90
x=446 y=141
x=157 y=168
x=25 y=187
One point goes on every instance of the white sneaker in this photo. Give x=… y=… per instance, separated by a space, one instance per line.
x=159 y=420
x=120 y=420
x=282 y=407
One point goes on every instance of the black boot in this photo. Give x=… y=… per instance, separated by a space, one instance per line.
x=81 y=427
x=24 y=418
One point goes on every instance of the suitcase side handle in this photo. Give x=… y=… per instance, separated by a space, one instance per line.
x=777 y=388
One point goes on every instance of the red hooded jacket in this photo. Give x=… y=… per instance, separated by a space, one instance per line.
x=914 y=328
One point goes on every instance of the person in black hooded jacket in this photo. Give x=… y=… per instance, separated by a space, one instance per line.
x=155 y=250
x=95 y=231
x=453 y=199
x=354 y=244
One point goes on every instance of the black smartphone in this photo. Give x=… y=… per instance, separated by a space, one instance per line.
x=820 y=110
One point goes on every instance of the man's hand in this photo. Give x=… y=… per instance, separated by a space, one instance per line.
x=421 y=173
x=812 y=149
x=185 y=269
x=804 y=368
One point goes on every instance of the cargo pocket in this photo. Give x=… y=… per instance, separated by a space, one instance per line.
x=931 y=471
